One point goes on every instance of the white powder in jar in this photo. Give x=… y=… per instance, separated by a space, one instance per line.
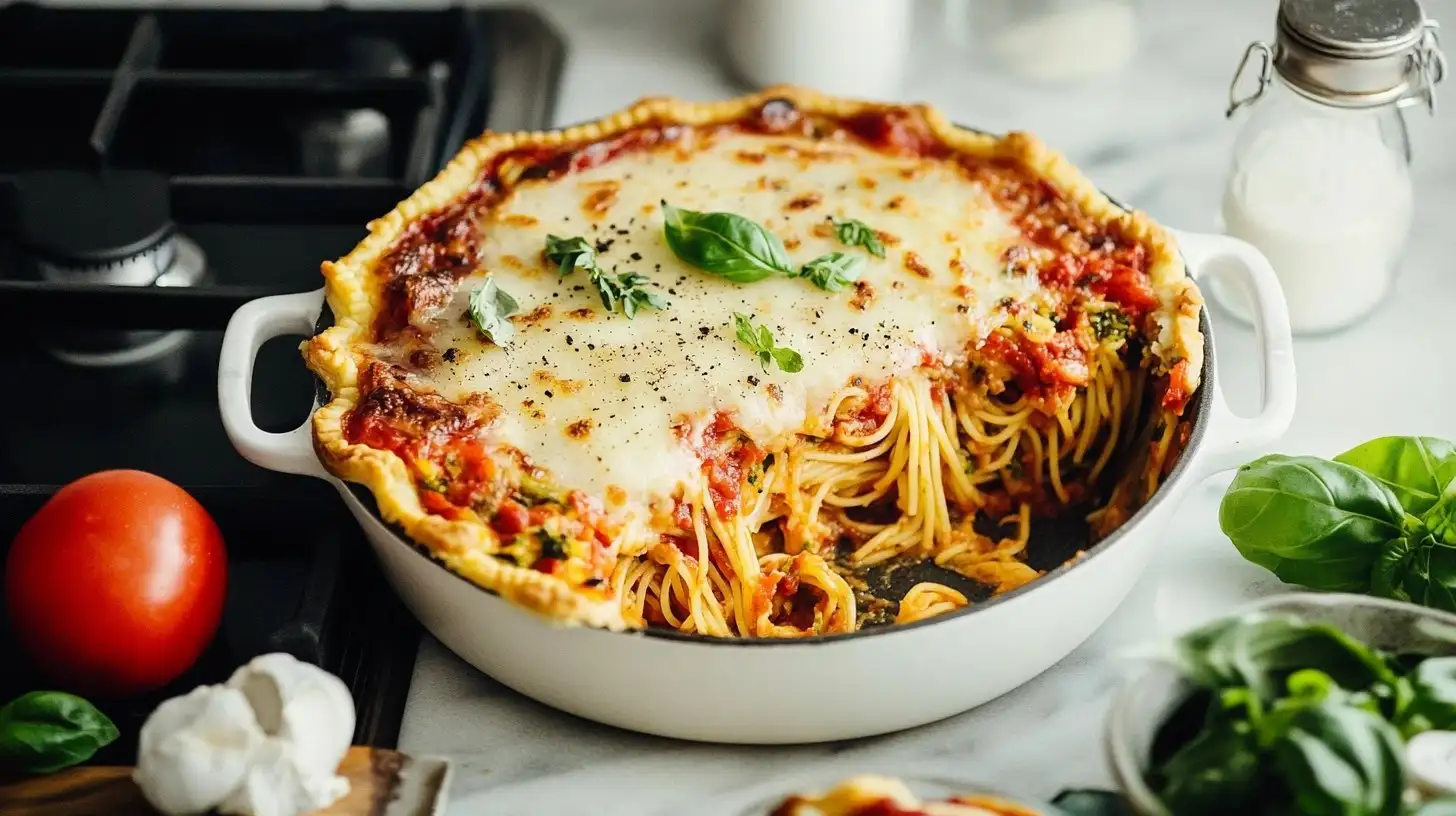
x=1329 y=204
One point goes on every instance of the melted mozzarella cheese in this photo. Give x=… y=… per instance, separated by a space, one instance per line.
x=594 y=397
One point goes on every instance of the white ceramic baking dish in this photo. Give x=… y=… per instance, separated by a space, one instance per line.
x=788 y=691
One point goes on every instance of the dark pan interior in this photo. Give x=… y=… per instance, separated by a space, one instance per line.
x=1054 y=541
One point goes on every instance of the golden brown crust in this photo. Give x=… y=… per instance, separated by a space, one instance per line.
x=352 y=290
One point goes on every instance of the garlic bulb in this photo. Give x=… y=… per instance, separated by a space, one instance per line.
x=268 y=743
x=1431 y=759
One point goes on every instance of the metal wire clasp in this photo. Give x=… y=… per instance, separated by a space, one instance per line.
x=1429 y=66
x=1266 y=75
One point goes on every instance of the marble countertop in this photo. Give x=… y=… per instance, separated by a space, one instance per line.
x=1155 y=137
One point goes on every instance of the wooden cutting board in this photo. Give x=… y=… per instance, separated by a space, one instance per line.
x=381 y=783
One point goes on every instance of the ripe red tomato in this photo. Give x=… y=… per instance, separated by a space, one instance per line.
x=115 y=586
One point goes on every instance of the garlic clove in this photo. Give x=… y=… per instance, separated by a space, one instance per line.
x=1431 y=759
x=194 y=750
x=300 y=704
x=276 y=785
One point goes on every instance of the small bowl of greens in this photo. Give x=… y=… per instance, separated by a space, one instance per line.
x=1306 y=703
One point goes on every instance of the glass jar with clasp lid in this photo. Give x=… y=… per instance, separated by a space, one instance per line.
x=1320 y=178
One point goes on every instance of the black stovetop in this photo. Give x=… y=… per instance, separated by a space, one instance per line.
x=269 y=139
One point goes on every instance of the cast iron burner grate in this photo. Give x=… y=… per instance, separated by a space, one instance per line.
x=246 y=146
x=279 y=134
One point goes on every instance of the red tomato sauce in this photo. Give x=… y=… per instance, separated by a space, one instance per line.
x=415 y=426
x=1050 y=371
x=870 y=415
x=1175 y=398
x=727 y=456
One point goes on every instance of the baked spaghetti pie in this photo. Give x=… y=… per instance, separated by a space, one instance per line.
x=884 y=796
x=702 y=366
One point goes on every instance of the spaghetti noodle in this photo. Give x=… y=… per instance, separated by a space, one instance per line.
x=545 y=390
x=938 y=457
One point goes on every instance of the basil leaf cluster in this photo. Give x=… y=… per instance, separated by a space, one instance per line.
x=1379 y=519
x=626 y=292
x=45 y=731
x=1300 y=718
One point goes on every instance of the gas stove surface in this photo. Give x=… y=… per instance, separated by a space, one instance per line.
x=158 y=168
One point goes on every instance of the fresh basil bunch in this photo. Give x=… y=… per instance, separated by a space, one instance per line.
x=1378 y=519
x=45 y=731
x=1300 y=719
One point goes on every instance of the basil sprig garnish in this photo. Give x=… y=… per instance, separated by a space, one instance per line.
x=569 y=253
x=45 y=731
x=833 y=272
x=490 y=310
x=625 y=290
x=761 y=342
x=851 y=232
x=1378 y=519
x=723 y=244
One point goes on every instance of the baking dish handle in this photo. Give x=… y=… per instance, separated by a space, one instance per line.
x=1234 y=439
x=251 y=326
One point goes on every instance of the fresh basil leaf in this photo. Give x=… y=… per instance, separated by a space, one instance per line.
x=857 y=233
x=1440 y=520
x=1092 y=803
x=1215 y=773
x=1260 y=652
x=1340 y=760
x=1433 y=684
x=744 y=329
x=490 y=310
x=1310 y=684
x=832 y=272
x=724 y=244
x=45 y=731
x=625 y=290
x=1392 y=566
x=569 y=253
x=1310 y=521
x=641 y=299
x=1430 y=579
x=1415 y=468
x=788 y=360
x=760 y=341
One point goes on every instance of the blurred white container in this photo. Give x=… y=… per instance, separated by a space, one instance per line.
x=1048 y=41
x=856 y=48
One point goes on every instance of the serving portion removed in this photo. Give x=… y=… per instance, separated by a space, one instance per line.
x=704 y=366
